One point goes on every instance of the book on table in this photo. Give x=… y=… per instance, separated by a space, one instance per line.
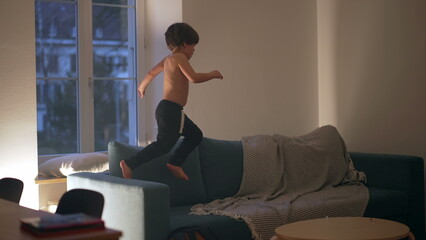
x=61 y=224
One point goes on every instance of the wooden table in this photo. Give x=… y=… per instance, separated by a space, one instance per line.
x=10 y=226
x=359 y=228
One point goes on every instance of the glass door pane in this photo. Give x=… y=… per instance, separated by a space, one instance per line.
x=116 y=2
x=113 y=51
x=56 y=116
x=56 y=65
x=114 y=72
x=112 y=118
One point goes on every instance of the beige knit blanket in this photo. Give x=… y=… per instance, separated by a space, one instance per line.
x=288 y=179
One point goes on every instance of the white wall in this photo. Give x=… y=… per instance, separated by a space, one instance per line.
x=18 y=126
x=160 y=14
x=267 y=52
x=372 y=73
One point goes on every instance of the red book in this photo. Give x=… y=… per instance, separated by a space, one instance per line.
x=61 y=224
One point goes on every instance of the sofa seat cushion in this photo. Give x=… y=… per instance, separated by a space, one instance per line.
x=385 y=203
x=224 y=227
x=221 y=165
x=181 y=192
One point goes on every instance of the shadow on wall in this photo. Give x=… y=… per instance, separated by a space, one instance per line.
x=379 y=74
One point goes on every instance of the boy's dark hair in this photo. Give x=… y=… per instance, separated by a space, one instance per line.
x=179 y=34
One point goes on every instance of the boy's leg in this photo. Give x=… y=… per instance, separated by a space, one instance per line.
x=192 y=138
x=162 y=146
x=168 y=120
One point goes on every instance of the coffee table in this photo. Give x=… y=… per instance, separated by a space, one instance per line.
x=359 y=228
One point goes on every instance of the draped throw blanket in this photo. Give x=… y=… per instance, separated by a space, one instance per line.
x=288 y=179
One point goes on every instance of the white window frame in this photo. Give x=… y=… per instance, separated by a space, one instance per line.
x=86 y=134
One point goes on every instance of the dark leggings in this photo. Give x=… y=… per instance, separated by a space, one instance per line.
x=169 y=115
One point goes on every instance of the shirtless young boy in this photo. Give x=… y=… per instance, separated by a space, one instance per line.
x=172 y=122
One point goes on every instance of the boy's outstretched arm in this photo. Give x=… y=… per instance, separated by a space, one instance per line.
x=193 y=76
x=149 y=77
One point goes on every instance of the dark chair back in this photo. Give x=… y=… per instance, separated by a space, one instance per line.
x=11 y=189
x=81 y=201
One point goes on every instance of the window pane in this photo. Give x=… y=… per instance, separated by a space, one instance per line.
x=56 y=41
x=58 y=77
x=113 y=53
x=114 y=104
x=56 y=116
x=116 y=2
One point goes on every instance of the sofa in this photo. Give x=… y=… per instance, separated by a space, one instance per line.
x=154 y=202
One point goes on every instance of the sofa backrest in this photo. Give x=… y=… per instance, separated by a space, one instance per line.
x=181 y=192
x=221 y=167
x=214 y=168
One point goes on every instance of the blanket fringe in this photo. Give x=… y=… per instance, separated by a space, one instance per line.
x=237 y=217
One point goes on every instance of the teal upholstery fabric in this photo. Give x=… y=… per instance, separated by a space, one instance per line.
x=140 y=209
x=181 y=192
x=398 y=173
x=386 y=203
x=225 y=228
x=221 y=165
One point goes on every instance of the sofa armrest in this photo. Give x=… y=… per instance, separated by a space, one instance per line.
x=140 y=209
x=397 y=172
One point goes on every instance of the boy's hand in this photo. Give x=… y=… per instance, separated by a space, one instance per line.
x=217 y=74
x=141 y=91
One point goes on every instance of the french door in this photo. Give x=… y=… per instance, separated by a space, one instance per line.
x=87 y=71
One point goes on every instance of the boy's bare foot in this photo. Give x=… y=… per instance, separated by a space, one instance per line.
x=125 y=170
x=177 y=171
